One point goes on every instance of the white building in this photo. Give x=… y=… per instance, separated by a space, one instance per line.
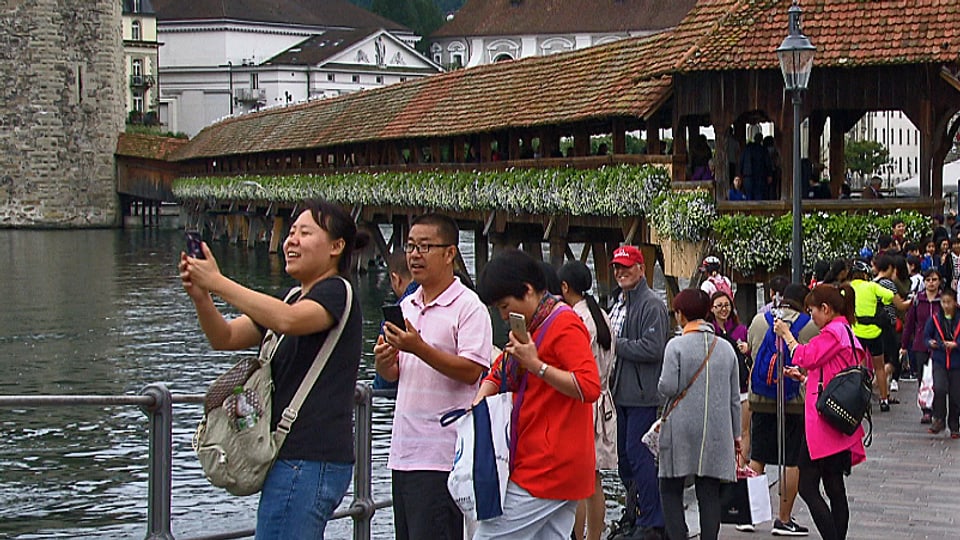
x=899 y=136
x=487 y=31
x=223 y=58
x=139 y=31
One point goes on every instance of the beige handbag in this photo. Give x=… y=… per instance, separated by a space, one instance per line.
x=238 y=460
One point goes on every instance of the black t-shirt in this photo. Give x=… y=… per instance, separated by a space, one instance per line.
x=323 y=430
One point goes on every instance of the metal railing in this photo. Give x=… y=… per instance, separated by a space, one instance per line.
x=156 y=401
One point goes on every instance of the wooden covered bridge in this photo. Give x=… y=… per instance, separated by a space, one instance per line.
x=716 y=68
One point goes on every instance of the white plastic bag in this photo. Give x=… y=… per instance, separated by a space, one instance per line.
x=925 y=392
x=481 y=465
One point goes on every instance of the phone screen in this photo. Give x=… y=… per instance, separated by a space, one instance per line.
x=392 y=313
x=194 y=241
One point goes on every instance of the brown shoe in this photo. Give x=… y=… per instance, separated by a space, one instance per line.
x=937 y=426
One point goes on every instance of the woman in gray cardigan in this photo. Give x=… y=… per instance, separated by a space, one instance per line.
x=701 y=435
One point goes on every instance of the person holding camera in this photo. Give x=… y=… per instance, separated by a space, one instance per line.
x=554 y=377
x=438 y=357
x=828 y=454
x=315 y=464
x=764 y=441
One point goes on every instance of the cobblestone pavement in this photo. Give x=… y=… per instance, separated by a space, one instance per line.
x=908 y=488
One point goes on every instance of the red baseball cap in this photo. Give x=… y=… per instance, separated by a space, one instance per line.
x=627 y=256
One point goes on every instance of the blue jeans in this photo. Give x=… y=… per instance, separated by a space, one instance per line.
x=299 y=497
x=637 y=468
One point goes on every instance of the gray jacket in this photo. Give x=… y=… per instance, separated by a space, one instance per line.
x=697 y=437
x=640 y=347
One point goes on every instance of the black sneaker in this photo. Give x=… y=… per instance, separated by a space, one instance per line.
x=790 y=528
x=884 y=406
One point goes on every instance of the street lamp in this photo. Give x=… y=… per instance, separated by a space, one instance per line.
x=796 y=61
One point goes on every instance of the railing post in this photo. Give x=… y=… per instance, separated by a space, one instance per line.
x=160 y=480
x=363 y=468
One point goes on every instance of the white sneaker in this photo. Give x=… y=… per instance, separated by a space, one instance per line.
x=746 y=528
x=894 y=386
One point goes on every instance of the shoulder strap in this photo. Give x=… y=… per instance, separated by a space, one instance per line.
x=271 y=340
x=683 y=393
x=292 y=410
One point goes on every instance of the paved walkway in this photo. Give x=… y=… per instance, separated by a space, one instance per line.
x=909 y=487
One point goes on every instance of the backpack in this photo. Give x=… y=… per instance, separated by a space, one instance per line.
x=764 y=378
x=721 y=284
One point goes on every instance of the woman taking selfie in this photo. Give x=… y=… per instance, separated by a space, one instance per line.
x=555 y=380
x=315 y=463
x=701 y=437
x=828 y=454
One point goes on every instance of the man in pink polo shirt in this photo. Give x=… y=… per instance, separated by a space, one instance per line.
x=438 y=360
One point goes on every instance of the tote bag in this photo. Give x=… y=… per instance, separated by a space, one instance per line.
x=746 y=501
x=481 y=464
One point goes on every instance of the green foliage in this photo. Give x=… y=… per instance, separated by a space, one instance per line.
x=865 y=157
x=621 y=190
x=421 y=16
x=683 y=215
x=154 y=130
x=750 y=243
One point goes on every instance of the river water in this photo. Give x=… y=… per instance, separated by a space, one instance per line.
x=102 y=312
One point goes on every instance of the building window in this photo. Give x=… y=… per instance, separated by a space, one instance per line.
x=379 y=79
x=355 y=78
x=254 y=80
x=138 y=101
x=456 y=59
x=403 y=79
x=437 y=58
x=136 y=68
x=135 y=30
x=137 y=6
x=331 y=77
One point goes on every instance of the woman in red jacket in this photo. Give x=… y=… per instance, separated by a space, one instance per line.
x=555 y=380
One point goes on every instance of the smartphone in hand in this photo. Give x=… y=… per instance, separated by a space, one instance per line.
x=195 y=244
x=393 y=314
x=518 y=325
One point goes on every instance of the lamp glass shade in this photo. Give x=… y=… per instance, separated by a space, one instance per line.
x=796 y=61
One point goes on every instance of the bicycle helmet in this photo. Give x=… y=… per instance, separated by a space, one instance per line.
x=861 y=267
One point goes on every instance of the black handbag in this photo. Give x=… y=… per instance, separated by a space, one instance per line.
x=845 y=401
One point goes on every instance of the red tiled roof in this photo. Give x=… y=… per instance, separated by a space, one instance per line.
x=846 y=33
x=512 y=17
x=599 y=82
x=141 y=145
x=330 y=13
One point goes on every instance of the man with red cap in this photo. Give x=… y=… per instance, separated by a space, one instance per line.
x=640 y=321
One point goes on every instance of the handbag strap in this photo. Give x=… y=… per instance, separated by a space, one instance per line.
x=293 y=409
x=683 y=393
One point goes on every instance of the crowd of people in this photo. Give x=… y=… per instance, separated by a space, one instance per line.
x=588 y=383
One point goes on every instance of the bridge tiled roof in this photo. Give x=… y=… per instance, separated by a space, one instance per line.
x=524 y=17
x=599 y=82
x=145 y=146
x=847 y=33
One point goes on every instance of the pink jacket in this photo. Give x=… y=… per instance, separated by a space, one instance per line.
x=829 y=353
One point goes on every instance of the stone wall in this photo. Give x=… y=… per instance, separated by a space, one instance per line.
x=61 y=110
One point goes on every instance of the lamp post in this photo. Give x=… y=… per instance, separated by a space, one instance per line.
x=796 y=61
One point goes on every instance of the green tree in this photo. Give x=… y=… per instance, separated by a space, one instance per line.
x=421 y=16
x=865 y=157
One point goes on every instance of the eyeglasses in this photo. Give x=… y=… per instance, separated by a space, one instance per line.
x=722 y=306
x=422 y=248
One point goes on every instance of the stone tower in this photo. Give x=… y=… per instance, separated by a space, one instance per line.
x=61 y=110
